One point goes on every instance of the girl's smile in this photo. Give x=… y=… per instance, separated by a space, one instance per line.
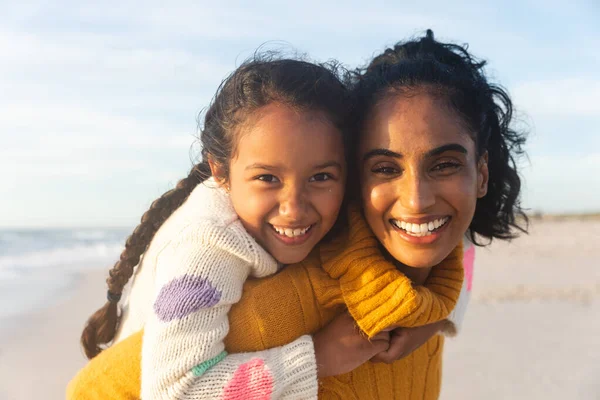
x=293 y=236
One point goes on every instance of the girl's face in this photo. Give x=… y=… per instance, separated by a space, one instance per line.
x=420 y=178
x=287 y=180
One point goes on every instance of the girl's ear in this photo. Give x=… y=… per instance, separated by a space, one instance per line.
x=483 y=175
x=218 y=172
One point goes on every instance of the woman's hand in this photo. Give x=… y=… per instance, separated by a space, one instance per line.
x=404 y=341
x=341 y=347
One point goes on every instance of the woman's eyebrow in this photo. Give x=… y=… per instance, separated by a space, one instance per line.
x=447 y=147
x=381 y=152
x=433 y=152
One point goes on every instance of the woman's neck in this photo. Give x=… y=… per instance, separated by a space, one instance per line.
x=418 y=276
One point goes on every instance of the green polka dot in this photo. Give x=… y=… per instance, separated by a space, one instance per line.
x=201 y=368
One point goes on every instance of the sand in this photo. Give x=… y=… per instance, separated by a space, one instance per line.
x=532 y=330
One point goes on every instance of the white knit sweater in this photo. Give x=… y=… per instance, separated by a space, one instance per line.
x=191 y=274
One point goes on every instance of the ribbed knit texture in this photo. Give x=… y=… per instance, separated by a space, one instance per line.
x=376 y=293
x=303 y=298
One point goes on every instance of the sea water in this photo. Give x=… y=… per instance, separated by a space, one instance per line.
x=40 y=266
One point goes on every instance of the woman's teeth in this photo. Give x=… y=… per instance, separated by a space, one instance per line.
x=423 y=229
x=291 y=232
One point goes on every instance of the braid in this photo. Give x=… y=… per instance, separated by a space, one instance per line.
x=102 y=326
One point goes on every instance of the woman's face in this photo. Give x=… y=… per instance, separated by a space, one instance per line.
x=420 y=178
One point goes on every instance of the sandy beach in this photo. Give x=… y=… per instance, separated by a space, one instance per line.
x=532 y=330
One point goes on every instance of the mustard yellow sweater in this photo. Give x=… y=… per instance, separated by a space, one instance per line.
x=349 y=272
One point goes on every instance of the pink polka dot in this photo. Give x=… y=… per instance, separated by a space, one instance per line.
x=252 y=381
x=468 y=263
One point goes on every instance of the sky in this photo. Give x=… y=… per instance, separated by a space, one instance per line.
x=99 y=101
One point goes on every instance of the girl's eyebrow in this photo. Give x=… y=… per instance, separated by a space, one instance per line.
x=433 y=152
x=272 y=168
x=259 y=166
x=328 y=164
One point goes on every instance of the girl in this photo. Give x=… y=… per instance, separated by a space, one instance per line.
x=196 y=263
x=262 y=206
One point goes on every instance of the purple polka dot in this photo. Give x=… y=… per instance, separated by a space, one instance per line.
x=183 y=296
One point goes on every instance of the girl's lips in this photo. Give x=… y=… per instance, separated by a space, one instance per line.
x=427 y=239
x=294 y=240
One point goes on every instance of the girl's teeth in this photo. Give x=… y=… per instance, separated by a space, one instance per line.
x=416 y=228
x=431 y=226
x=291 y=232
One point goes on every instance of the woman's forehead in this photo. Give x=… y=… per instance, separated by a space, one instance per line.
x=419 y=121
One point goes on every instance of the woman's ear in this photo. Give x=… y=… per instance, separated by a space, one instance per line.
x=483 y=175
x=218 y=172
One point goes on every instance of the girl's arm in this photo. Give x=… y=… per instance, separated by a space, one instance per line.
x=198 y=277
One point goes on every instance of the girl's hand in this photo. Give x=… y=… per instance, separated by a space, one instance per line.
x=341 y=347
x=404 y=341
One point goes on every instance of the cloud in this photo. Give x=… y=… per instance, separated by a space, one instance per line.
x=568 y=97
x=98 y=99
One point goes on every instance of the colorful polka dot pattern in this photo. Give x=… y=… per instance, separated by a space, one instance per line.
x=468 y=263
x=251 y=381
x=201 y=368
x=184 y=296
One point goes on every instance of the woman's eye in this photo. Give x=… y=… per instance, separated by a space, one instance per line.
x=445 y=167
x=267 y=178
x=385 y=170
x=320 y=177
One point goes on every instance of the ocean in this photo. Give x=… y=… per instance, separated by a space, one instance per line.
x=40 y=266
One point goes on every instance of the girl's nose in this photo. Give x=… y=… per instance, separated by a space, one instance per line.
x=292 y=203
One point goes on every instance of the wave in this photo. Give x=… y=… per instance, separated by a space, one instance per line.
x=91 y=255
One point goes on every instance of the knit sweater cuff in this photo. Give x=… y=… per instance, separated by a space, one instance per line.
x=457 y=316
x=299 y=375
x=380 y=296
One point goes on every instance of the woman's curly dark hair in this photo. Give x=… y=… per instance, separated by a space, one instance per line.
x=449 y=71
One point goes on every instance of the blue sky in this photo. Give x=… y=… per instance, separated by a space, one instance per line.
x=98 y=100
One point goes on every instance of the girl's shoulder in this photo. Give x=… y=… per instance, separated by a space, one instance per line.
x=207 y=218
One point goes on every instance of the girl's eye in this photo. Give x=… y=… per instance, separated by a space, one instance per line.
x=267 y=178
x=321 y=177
